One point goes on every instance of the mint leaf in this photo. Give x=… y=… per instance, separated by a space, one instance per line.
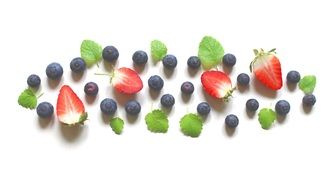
x=158 y=50
x=27 y=99
x=307 y=84
x=157 y=121
x=91 y=52
x=191 y=125
x=117 y=125
x=210 y=52
x=266 y=117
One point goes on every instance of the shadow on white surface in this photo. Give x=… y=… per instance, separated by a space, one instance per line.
x=306 y=109
x=53 y=84
x=45 y=122
x=168 y=72
x=227 y=70
x=90 y=99
x=185 y=97
x=230 y=131
x=77 y=77
x=140 y=68
x=121 y=98
x=193 y=72
x=250 y=114
x=154 y=94
x=291 y=87
x=73 y=134
x=132 y=118
x=216 y=104
x=262 y=90
x=242 y=89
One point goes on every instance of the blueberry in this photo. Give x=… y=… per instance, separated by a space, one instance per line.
x=170 y=62
x=110 y=53
x=132 y=107
x=108 y=106
x=243 y=79
x=231 y=121
x=193 y=62
x=309 y=100
x=78 y=65
x=252 y=105
x=34 y=81
x=203 y=108
x=282 y=107
x=155 y=82
x=91 y=89
x=293 y=77
x=167 y=100
x=140 y=57
x=187 y=87
x=45 y=110
x=54 y=71
x=229 y=60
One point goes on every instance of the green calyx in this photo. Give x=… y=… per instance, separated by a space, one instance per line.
x=259 y=53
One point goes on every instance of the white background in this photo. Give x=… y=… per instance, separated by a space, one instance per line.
x=39 y=155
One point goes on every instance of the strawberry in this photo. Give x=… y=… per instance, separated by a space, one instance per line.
x=126 y=81
x=267 y=68
x=217 y=84
x=70 y=109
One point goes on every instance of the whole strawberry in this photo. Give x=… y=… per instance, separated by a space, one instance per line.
x=217 y=84
x=267 y=69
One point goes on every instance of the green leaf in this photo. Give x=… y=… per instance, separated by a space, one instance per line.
x=158 y=50
x=210 y=52
x=157 y=121
x=27 y=99
x=307 y=84
x=117 y=125
x=266 y=117
x=191 y=125
x=91 y=52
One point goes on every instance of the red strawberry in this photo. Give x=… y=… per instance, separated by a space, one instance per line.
x=267 y=69
x=126 y=81
x=70 y=109
x=217 y=84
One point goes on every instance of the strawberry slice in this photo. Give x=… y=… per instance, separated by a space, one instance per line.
x=70 y=109
x=126 y=81
x=267 y=68
x=217 y=84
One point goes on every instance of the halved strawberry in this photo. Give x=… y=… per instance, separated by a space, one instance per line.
x=267 y=68
x=217 y=84
x=70 y=109
x=126 y=81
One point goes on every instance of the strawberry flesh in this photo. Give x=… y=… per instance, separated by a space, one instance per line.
x=126 y=81
x=267 y=69
x=70 y=109
x=217 y=84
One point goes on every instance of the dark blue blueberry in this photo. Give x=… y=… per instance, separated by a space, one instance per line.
x=170 y=62
x=309 y=100
x=187 y=87
x=108 y=106
x=34 y=81
x=54 y=71
x=45 y=110
x=78 y=65
x=203 y=108
x=91 y=89
x=110 y=53
x=155 y=82
x=252 y=105
x=132 y=107
x=282 y=107
x=193 y=62
x=140 y=57
x=231 y=121
x=243 y=79
x=293 y=77
x=167 y=100
x=229 y=60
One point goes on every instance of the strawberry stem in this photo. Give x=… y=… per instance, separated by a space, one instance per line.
x=39 y=95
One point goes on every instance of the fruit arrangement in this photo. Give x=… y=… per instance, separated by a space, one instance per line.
x=70 y=110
